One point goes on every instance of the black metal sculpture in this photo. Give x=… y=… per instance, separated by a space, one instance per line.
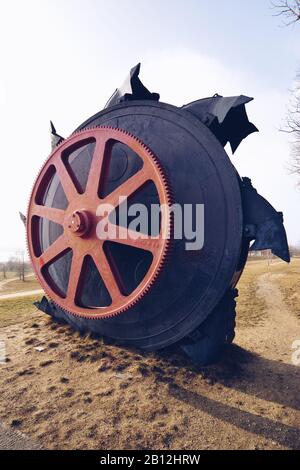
x=152 y=294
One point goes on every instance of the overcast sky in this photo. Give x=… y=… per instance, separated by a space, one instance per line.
x=62 y=59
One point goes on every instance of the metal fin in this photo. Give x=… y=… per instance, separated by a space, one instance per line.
x=262 y=223
x=225 y=117
x=44 y=306
x=55 y=138
x=132 y=89
x=23 y=218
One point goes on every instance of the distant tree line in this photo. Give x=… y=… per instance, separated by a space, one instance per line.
x=15 y=264
x=293 y=128
x=294 y=250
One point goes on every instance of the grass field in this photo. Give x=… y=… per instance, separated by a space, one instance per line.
x=11 y=287
x=251 y=306
x=19 y=310
x=9 y=275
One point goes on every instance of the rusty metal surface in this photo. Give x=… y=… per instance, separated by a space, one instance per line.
x=79 y=222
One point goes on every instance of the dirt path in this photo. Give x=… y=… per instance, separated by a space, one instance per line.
x=7 y=281
x=273 y=338
x=66 y=391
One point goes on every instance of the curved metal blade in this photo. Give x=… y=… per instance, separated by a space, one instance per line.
x=56 y=139
x=225 y=117
x=132 y=89
x=262 y=223
x=23 y=218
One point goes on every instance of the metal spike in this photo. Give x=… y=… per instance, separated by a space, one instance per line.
x=56 y=139
x=226 y=117
x=132 y=89
x=23 y=218
x=263 y=223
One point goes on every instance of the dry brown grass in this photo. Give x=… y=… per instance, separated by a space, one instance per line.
x=8 y=274
x=75 y=392
x=288 y=279
x=30 y=283
x=19 y=310
x=251 y=308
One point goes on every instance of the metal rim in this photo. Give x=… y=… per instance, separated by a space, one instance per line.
x=79 y=222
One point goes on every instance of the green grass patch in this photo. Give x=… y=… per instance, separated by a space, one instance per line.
x=13 y=311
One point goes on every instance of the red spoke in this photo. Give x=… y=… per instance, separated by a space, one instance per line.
x=50 y=213
x=127 y=188
x=51 y=253
x=96 y=169
x=129 y=237
x=106 y=273
x=84 y=223
x=65 y=179
x=74 y=277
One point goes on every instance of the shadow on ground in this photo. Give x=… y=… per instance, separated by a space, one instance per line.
x=251 y=374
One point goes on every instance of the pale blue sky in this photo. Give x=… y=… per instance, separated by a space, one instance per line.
x=62 y=59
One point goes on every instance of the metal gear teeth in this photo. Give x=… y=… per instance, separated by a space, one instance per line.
x=166 y=255
x=168 y=247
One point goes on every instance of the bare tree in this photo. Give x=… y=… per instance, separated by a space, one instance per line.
x=12 y=264
x=295 y=250
x=292 y=127
x=3 y=269
x=17 y=264
x=289 y=9
x=20 y=255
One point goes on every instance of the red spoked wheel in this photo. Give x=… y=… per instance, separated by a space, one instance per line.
x=79 y=222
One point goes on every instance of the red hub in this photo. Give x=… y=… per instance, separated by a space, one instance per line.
x=79 y=223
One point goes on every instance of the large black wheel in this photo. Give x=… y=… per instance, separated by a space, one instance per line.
x=191 y=284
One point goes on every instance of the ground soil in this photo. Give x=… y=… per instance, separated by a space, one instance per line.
x=65 y=391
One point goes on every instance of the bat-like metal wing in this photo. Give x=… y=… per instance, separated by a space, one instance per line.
x=226 y=117
x=132 y=89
